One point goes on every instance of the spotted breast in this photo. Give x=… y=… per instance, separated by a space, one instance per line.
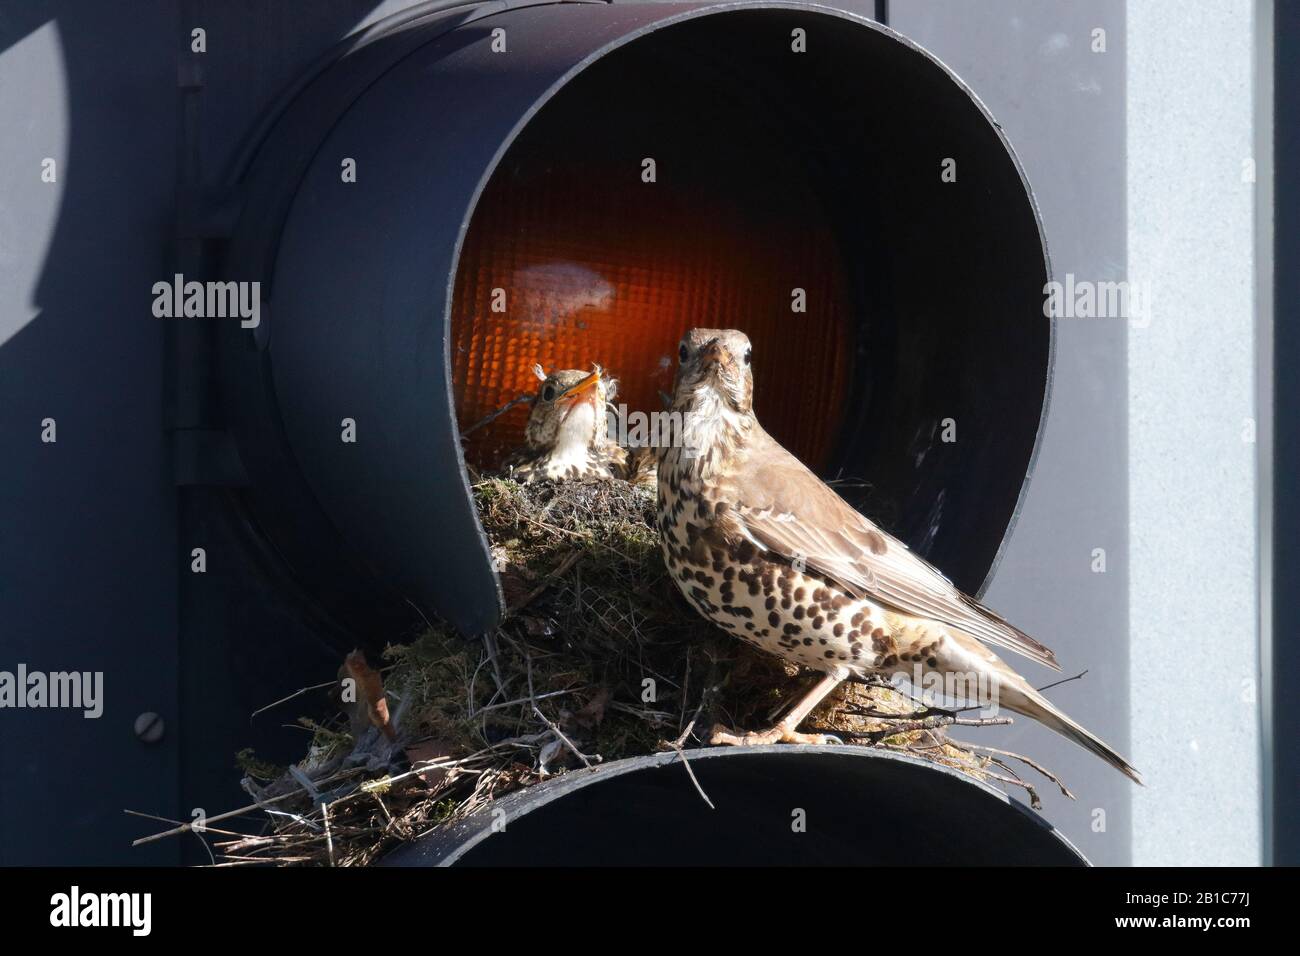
x=770 y=604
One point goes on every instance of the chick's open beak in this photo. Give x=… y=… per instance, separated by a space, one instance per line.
x=582 y=387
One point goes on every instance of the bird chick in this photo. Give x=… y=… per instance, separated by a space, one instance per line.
x=566 y=436
x=770 y=553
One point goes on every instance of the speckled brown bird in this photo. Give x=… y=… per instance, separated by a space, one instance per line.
x=567 y=435
x=767 y=551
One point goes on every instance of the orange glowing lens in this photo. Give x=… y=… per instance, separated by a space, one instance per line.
x=572 y=261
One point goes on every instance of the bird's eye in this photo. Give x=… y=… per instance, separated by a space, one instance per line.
x=682 y=353
x=749 y=354
x=548 y=393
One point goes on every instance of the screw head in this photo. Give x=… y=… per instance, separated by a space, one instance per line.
x=149 y=727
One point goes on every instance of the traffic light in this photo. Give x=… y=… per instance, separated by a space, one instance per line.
x=466 y=193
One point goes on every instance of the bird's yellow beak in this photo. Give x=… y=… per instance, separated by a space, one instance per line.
x=579 y=388
x=714 y=356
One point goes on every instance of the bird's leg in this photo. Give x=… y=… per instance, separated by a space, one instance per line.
x=784 y=731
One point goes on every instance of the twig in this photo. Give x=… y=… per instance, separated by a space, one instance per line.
x=187 y=827
x=206 y=828
x=1063 y=680
x=1025 y=760
x=550 y=725
x=1015 y=780
x=382 y=806
x=694 y=717
x=686 y=683
x=489 y=419
x=691 y=773
x=329 y=838
x=526 y=700
x=676 y=745
x=490 y=643
x=574 y=557
x=925 y=723
x=298 y=693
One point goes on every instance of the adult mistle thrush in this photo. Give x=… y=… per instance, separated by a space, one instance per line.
x=767 y=551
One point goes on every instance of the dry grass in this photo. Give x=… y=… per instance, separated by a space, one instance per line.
x=598 y=658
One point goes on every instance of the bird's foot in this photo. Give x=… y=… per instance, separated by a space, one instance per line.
x=781 y=733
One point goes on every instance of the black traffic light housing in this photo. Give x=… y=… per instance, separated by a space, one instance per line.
x=944 y=254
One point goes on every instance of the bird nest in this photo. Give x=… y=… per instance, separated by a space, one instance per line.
x=598 y=657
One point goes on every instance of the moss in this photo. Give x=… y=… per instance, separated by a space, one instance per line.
x=247 y=761
x=597 y=643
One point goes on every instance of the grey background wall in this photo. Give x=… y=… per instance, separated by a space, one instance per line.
x=1147 y=161
x=1198 y=167
x=88 y=579
x=1138 y=457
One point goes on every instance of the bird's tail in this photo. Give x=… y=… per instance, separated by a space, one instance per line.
x=1027 y=701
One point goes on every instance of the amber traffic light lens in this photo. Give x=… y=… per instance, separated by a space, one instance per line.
x=573 y=258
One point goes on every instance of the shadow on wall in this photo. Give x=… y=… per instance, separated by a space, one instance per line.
x=93 y=526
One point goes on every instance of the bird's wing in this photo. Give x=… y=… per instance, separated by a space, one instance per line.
x=785 y=509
